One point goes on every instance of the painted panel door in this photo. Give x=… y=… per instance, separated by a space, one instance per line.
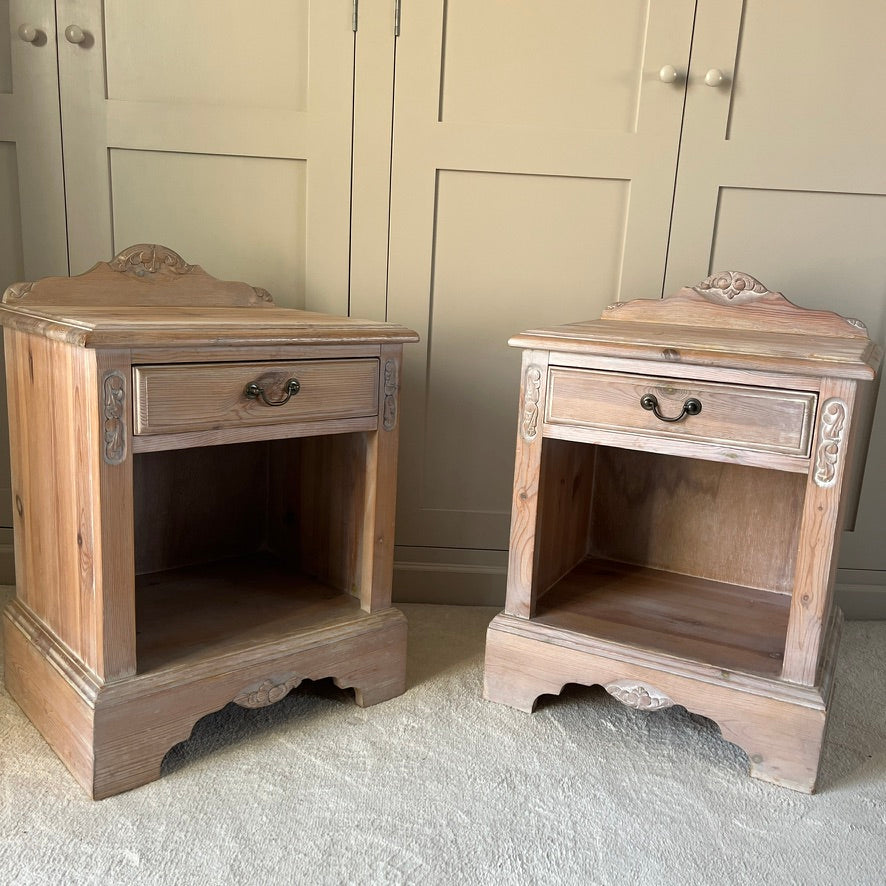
x=782 y=175
x=32 y=199
x=218 y=128
x=533 y=168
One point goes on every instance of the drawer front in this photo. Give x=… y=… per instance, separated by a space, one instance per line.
x=737 y=416
x=207 y=396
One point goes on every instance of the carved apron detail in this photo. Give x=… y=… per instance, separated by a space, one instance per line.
x=636 y=695
x=114 y=417
x=391 y=386
x=831 y=439
x=268 y=693
x=531 y=395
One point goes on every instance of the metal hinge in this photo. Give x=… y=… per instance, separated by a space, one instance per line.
x=397 y=18
x=354 y=16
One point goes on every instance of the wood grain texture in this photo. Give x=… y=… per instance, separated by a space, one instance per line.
x=566 y=489
x=376 y=551
x=711 y=542
x=782 y=352
x=820 y=530
x=781 y=736
x=146 y=275
x=189 y=326
x=719 y=304
x=172 y=399
x=739 y=416
x=724 y=522
x=520 y=599
x=113 y=668
x=724 y=625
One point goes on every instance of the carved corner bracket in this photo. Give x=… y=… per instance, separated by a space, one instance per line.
x=831 y=440
x=637 y=695
x=113 y=409
x=149 y=258
x=266 y=693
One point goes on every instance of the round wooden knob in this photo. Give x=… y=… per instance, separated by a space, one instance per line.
x=714 y=77
x=74 y=34
x=668 y=74
x=28 y=33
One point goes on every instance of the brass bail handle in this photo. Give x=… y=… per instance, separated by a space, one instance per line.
x=254 y=390
x=690 y=407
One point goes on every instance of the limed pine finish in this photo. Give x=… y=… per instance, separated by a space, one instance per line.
x=182 y=541
x=682 y=550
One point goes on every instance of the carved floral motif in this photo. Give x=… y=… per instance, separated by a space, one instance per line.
x=531 y=395
x=636 y=695
x=831 y=437
x=389 y=409
x=149 y=258
x=268 y=693
x=732 y=286
x=114 y=415
x=263 y=295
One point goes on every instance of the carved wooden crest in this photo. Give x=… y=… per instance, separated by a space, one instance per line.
x=146 y=274
x=732 y=286
x=149 y=258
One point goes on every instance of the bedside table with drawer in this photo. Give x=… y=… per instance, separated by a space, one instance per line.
x=204 y=491
x=684 y=470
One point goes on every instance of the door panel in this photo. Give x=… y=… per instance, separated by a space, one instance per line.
x=266 y=110
x=32 y=210
x=781 y=175
x=229 y=201
x=533 y=171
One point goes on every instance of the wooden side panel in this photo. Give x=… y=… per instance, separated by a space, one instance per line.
x=725 y=522
x=527 y=470
x=46 y=694
x=183 y=515
x=55 y=487
x=376 y=554
x=822 y=521
x=108 y=416
x=315 y=490
x=564 y=512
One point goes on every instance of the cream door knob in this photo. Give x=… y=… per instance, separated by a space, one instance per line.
x=668 y=74
x=28 y=33
x=714 y=77
x=74 y=34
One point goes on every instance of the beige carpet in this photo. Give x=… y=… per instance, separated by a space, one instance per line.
x=440 y=787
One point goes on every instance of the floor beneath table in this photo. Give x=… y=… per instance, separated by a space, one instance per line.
x=440 y=787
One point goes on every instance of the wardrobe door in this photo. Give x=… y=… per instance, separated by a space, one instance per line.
x=32 y=199
x=218 y=128
x=534 y=156
x=782 y=175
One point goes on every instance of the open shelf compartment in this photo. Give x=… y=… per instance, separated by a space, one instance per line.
x=687 y=557
x=244 y=544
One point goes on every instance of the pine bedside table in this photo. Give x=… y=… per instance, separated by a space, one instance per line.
x=684 y=470
x=204 y=507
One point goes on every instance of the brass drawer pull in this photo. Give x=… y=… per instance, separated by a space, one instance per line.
x=690 y=407
x=254 y=390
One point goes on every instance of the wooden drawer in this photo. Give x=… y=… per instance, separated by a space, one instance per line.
x=738 y=416
x=208 y=396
